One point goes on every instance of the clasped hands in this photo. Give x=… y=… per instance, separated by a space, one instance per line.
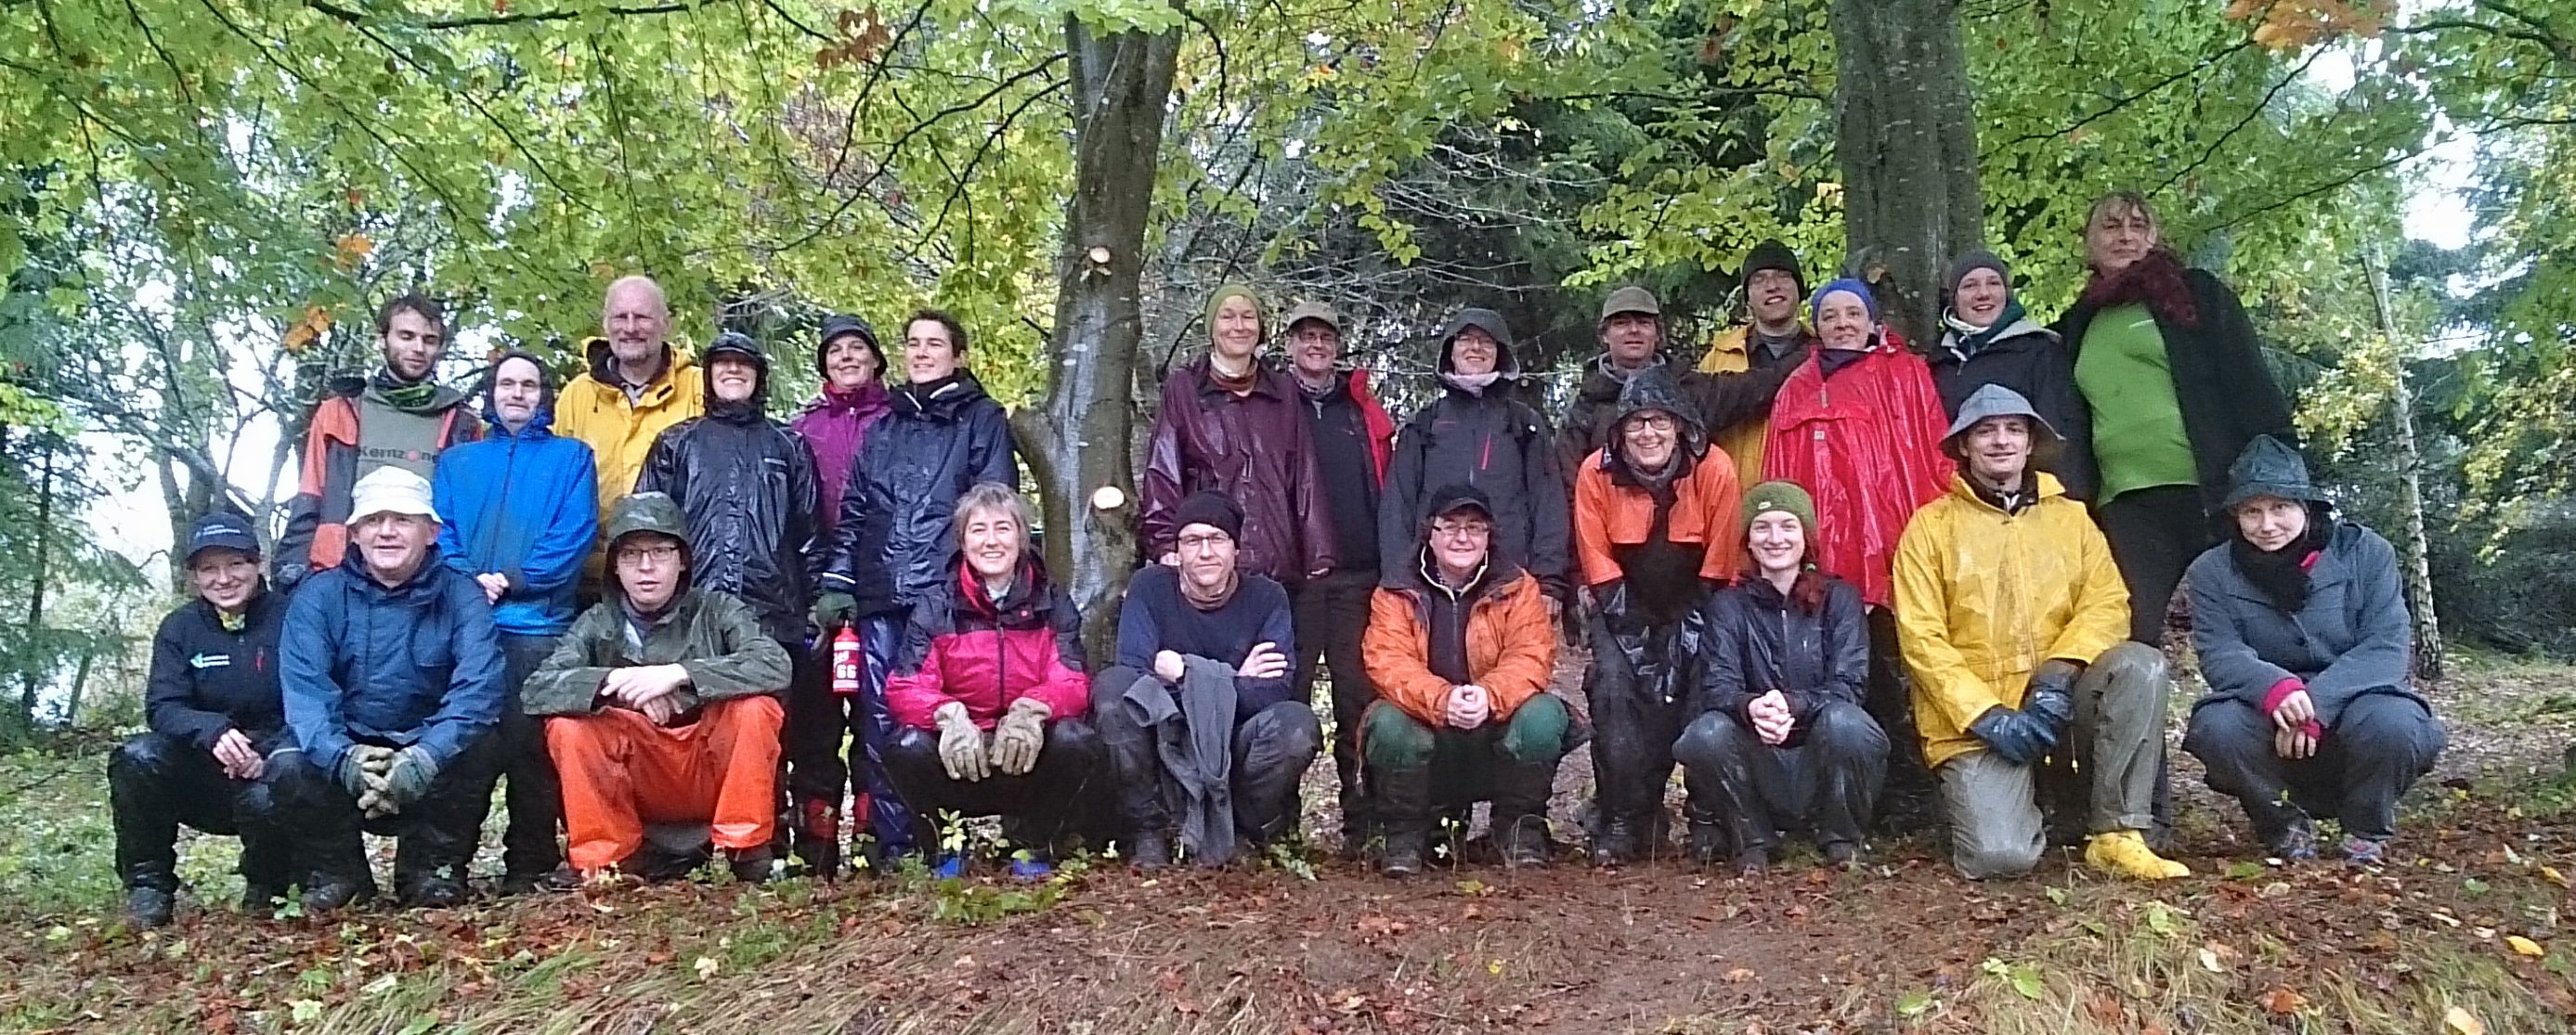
x=651 y=689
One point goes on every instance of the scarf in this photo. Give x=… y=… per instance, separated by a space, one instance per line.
x=2281 y=574
x=1472 y=384
x=1237 y=384
x=1212 y=600
x=2155 y=280
x=409 y=395
x=1967 y=339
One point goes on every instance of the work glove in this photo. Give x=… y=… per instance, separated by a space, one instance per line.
x=407 y=780
x=1618 y=613
x=832 y=610
x=2015 y=736
x=961 y=745
x=2052 y=695
x=362 y=768
x=1017 y=738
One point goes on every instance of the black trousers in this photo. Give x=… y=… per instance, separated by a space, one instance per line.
x=2379 y=746
x=1271 y=752
x=534 y=797
x=156 y=782
x=437 y=833
x=1331 y=615
x=1039 y=807
x=1633 y=725
x=2155 y=534
x=1825 y=778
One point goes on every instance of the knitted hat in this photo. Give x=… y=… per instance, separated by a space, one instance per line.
x=1976 y=259
x=1773 y=255
x=1213 y=509
x=1816 y=306
x=1216 y=300
x=1786 y=496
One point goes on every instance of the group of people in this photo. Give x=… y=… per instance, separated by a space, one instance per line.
x=677 y=626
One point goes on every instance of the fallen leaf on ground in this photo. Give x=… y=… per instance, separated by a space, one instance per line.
x=2524 y=946
x=2284 y=1002
x=2463 y=1022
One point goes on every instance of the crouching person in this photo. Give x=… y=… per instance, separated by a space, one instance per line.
x=2301 y=626
x=2014 y=622
x=1460 y=650
x=989 y=692
x=1197 y=714
x=1781 y=737
x=213 y=716
x=661 y=707
x=392 y=677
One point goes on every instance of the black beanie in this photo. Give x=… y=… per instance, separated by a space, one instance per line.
x=1213 y=509
x=1773 y=255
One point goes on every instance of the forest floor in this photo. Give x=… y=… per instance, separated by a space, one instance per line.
x=2462 y=932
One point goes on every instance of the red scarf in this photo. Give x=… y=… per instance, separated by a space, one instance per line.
x=2156 y=280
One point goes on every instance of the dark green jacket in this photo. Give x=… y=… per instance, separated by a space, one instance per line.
x=715 y=636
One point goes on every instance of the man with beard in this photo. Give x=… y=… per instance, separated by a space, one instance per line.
x=395 y=417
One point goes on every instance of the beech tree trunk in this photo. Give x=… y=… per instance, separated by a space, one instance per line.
x=2417 y=545
x=1906 y=138
x=1077 y=442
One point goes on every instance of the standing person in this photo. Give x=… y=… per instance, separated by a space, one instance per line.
x=661 y=706
x=2174 y=377
x=1762 y=351
x=893 y=541
x=2010 y=615
x=1462 y=653
x=1654 y=525
x=1229 y=425
x=1197 y=712
x=1987 y=339
x=990 y=692
x=2301 y=626
x=836 y=424
x=394 y=417
x=637 y=384
x=1353 y=438
x=392 y=685
x=516 y=516
x=1632 y=340
x=1781 y=737
x=1475 y=434
x=212 y=716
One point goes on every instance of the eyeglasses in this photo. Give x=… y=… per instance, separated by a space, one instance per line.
x=1651 y=422
x=1461 y=529
x=635 y=555
x=1199 y=543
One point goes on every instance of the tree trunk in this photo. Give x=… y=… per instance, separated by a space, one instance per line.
x=2410 y=486
x=39 y=664
x=1906 y=137
x=80 y=682
x=1077 y=442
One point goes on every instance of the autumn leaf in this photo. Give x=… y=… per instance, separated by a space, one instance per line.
x=2284 y=1002
x=2462 y=1022
x=2522 y=946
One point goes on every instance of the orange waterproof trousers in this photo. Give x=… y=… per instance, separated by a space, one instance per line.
x=620 y=771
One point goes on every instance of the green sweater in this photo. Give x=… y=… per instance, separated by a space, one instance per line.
x=2127 y=378
x=713 y=635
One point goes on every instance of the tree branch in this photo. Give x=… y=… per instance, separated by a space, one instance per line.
x=2205 y=64
x=486 y=20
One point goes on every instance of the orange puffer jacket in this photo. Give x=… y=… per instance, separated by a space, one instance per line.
x=1511 y=648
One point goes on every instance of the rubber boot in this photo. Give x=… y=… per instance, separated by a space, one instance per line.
x=1404 y=814
x=818 y=839
x=1520 y=810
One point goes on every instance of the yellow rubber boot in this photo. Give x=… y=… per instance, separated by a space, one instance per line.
x=2124 y=853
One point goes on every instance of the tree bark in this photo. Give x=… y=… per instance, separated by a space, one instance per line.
x=1906 y=138
x=2410 y=486
x=1077 y=442
x=35 y=628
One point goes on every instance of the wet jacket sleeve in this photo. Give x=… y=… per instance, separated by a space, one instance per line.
x=1163 y=465
x=1391 y=650
x=845 y=566
x=170 y=706
x=567 y=682
x=2101 y=618
x=1319 y=552
x=1846 y=635
x=1592 y=529
x=555 y=559
x=1551 y=531
x=1726 y=400
x=442 y=496
x=329 y=453
x=747 y=663
x=1252 y=695
x=1724 y=686
x=919 y=683
x=2253 y=395
x=1399 y=508
x=1943 y=679
x=2228 y=662
x=991 y=455
x=1066 y=689
x=312 y=696
x=804 y=528
x=1722 y=500
x=661 y=470
x=471 y=707
x=2381 y=658
x=1529 y=650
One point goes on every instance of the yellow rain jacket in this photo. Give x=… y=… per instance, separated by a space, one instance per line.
x=1983 y=597
x=594 y=409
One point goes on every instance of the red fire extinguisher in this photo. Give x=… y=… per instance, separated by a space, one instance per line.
x=845 y=661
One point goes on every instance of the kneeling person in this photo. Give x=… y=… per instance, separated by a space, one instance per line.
x=1197 y=710
x=989 y=690
x=1461 y=650
x=661 y=705
x=2014 y=622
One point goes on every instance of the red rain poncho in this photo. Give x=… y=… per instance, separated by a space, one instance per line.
x=1867 y=443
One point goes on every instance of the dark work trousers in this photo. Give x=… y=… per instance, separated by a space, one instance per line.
x=1039 y=807
x=1331 y=616
x=1911 y=794
x=1634 y=725
x=819 y=724
x=1825 y=778
x=2379 y=746
x=438 y=832
x=535 y=798
x=2155 y=534
x=155 y=782
x=1271 y=752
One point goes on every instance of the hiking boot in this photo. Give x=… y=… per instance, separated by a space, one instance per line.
x=1149 y=852
x=1707 y=842
x=752 y=865
x=554 y=882
x=326 y=894
x=1032 y=869
x=1752 y=862
x=2365 y=851
x=2295 y=843
x=1403 y=857
x=261 y=899
x=1617 y=842
x=1842 y=855
x=2125 y=853
x=431 y=892
x=1523 y=841
x=150 y=907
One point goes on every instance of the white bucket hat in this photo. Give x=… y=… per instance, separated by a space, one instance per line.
x=390 y=490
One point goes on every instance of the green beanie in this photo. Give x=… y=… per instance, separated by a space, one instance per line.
x=1770 y=496
x=1236 y=289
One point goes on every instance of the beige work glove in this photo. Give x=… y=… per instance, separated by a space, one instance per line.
x=1020 y=734
x=961 y=745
